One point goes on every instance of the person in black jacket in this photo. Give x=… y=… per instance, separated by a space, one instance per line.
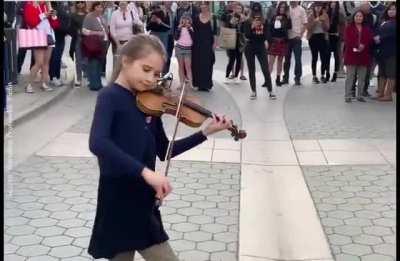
x=64 y=16
x=126 y=142
x=257 y=34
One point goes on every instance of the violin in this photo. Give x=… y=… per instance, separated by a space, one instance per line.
x=159 y=101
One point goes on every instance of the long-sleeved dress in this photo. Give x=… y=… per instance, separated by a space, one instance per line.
x=125 y=140
x=203 y=56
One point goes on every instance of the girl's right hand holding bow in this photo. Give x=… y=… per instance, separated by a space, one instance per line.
x=158 y=182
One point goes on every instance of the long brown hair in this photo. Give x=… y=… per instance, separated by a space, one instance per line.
x=136 y=48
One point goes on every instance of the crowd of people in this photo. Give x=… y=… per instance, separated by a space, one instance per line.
x=359 y=40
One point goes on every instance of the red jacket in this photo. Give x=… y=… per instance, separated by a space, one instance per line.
x=351 y=41
x=31 y=15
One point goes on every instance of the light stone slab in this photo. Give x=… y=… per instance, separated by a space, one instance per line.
x=227 y=144
x=345 y=145
x=273 y=200
x=311 y=158
x=231 y=156
x=389 y=155
x=68 y=145
x=354 y=157
x=268 y=153
x=306 y=145
x=267 y=131
x=196 y=154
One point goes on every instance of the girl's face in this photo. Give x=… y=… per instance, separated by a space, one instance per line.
x=142 y=74
x=282 y=9
x=358 y=18
x=392 y=11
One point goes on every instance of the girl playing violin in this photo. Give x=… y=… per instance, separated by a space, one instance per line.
x=126 y=143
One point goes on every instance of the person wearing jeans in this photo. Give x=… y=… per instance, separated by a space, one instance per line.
x=94 y=24
x=299 y=21
x=256 y=31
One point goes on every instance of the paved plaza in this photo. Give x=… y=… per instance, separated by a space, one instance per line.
x=314 y=179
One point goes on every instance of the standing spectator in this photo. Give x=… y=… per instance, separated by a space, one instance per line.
x=257 y=33
x=95 y=33
x=271 y=11
x=170 y=42
x=40 y=16
x=183 y=49
x=387 y=41
x=370 y=20
x=298 y=17
x=204 y=43
x=158 y=24
x=358 y=39
x=235 y=21
x=64 y=16
x=109 y=8
x=75 y=49
x=121 y=24
x=317 y=28
x=336 y=29
x=279 y=27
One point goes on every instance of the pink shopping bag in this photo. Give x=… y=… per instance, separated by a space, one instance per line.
x=28 y=38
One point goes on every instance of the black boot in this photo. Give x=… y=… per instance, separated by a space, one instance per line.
x=285 y=80
x=327 y=77
x=315 y=79
x=334 y=76
x=278 y=81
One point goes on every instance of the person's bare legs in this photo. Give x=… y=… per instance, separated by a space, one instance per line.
x=124 y=256
x=46 y=64
x=271 y=60
x=279 y=65
x=39 y=60
x=181 y=64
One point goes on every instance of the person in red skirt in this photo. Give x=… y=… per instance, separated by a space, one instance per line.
x=280 y=25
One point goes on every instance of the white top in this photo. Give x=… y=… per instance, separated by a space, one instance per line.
x=120 y=28
x=137 y=12
x=299 y=19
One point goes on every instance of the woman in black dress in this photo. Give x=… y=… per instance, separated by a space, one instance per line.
x=204 y=42
x=126 y=143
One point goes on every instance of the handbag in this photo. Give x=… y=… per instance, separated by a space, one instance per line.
x=30 y=38
x=136 y=28
x=50 y=40
x=227 y=38
x=92 y=46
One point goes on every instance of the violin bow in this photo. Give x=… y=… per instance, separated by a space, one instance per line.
x=171 y=142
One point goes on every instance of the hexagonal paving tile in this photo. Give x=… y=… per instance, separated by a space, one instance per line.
x=57 y=241
x=201 y=219
x=339 y=240
x=78 y=232
x=385 y=222
x=185 y=227
x=194 y=255
x=20 y=230
x=65 y=251
x=223 y=256
x=49 y=231
x=348 y=230
x=197 y=236
x=64 y=215
x=377 y=231
x=190 y=211
x=226 y=237
x=33 y=250
x=43 y=222
x=16 y=221
x=14 y=257
x=211 y=246
x=214 y=228
x=376 y=257
x=358 y=222
x=42 y=258
x=215 y=212
x=385 y=249
x=182 y=245
x=82 y=242
x=26 y=240
x=331 y=222
x=174 y=218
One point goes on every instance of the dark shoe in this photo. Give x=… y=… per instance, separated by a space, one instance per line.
x=272 y=96
x=361 y=99
x=285 y=80
x=353 y=95
x=347 y=100
x=328 y=76
x=264 y=84
x=334 y=77
x=315 y=80
x=243 y=78
x=366 y=94
x=203 y=90
x=297 y=82
x=278 y=81
x=323 y=79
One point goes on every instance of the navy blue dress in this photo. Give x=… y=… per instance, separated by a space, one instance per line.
x=125 y=140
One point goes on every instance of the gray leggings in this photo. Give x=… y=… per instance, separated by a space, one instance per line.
x=159 y=252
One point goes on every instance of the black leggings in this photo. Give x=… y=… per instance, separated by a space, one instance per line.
x=234 y=55
x=318 y=44
x=334 y=48
x=251 y=52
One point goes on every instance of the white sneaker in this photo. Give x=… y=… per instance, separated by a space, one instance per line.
x=46 y=88
x=29 y=89
x=253 y=96
x=77 y=84
x=227 y=80
x=236 y=80
x=57 y=82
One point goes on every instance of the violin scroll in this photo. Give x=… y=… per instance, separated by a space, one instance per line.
x=237 y=133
